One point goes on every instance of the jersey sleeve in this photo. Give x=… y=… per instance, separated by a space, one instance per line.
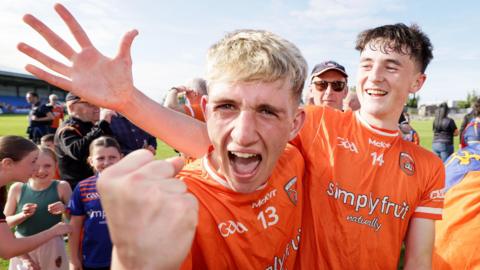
x=431 y=204
x=75 y=205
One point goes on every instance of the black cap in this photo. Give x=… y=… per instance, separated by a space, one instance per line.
x=326 y=66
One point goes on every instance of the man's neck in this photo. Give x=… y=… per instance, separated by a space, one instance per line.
x=388 y=123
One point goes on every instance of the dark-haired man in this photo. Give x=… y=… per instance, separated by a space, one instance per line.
x=39 y=118
x=381 y=190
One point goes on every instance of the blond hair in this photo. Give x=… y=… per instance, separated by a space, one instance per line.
x=256 y=55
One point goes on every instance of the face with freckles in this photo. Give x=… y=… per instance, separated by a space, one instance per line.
x=249 y=125
x=384 y=81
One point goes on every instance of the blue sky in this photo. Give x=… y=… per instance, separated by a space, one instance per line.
x=175 y=35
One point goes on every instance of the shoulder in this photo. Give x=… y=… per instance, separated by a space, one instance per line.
x=15 y=188
x=424 y=158
x=63 y=186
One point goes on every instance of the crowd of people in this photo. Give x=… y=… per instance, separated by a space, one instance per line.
x=270 y=183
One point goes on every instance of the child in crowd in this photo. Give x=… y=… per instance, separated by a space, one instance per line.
x=409 y=134
x=36 y=206
x=17 y=163
x=88 y=218
x=47 y=141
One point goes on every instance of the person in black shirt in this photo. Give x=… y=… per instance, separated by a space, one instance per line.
x=39 y=119
x=74 y=136
x=444 y=128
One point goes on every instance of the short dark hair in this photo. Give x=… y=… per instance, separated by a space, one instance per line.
x=47 y=138
x=407 y=40
x=32 y=93
x=104 y=141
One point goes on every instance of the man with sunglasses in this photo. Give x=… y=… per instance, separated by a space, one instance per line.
x=328 y=84
x=73 y=137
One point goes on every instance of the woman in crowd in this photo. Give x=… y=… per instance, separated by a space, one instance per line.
x=36 y=206
x=17 y=163
x=87 y=215
x=444 y=128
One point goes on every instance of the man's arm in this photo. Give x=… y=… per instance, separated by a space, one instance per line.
x=171 y=100
x=48 y=117
x=75 y=145
x=419 y=244
x=108 y=83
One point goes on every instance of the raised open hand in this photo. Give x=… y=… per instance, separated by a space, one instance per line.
x=105 y=82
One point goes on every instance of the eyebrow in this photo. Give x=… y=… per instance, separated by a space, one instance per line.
x=389 y=61
x=277 y=110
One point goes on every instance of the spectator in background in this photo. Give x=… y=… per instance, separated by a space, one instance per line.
x=193 y=92
x=39 y=118
x=470 y=130
x=444 y=128
x=86 y=123
x=130 y=137
x=90 y=244
x=17 y=163
x=36 y=206
x=328 y=84
x=47 y=141
x=469 y=116
x=57 y=110
x=351 y=102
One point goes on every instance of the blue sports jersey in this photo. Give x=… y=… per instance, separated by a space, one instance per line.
x=96 y=243
x=460 y=163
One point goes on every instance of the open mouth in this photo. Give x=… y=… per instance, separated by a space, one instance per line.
x=376 y=92
x=244 y=165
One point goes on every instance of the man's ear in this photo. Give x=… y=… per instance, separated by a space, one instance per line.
x=203 y=105
x=297 y=124
x=418 y=83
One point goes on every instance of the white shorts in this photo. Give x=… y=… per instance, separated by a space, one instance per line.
x=51 y=255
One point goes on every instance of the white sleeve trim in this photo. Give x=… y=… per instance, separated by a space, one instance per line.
x=429 y=210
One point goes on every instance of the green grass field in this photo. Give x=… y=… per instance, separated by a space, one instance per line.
x=17 y=124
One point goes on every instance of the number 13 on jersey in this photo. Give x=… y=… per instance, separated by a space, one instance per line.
x=268 y=217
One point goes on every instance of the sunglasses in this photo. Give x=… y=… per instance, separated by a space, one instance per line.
x=322 y=85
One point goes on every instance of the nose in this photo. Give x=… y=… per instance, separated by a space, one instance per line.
x=375 y=74
x=244 y=129
x=329 y=90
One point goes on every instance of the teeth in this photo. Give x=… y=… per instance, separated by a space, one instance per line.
x=242 y=155
x=376 y=92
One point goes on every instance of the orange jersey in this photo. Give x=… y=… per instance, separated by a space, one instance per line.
x=364 y=186
x=457 y=236
x=259 y=230
x=195 y=111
